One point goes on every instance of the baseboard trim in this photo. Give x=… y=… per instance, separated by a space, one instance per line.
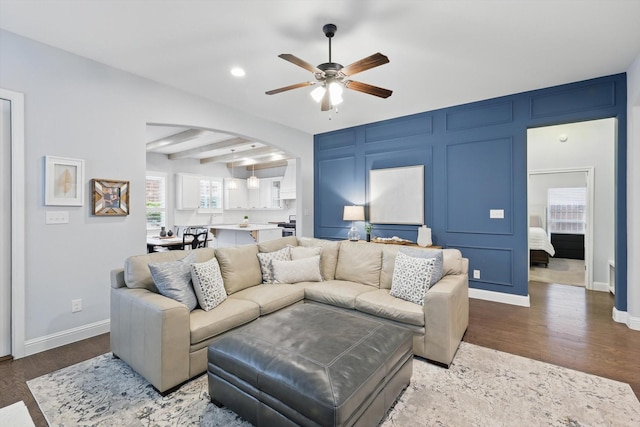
x=623 y=317
x=69 y=336
x=601 y=287
x=501 y=297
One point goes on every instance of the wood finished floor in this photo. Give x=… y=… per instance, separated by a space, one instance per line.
x=565 y=325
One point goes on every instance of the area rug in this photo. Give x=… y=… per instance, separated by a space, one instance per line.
x=483 y=387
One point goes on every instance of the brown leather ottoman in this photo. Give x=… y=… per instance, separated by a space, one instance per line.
x=311 y=365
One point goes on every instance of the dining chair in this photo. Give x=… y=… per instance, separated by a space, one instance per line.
x=194 y=240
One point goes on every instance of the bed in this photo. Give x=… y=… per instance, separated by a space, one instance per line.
x=540 y=247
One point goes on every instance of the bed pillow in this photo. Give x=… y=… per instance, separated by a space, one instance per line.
x=295 y=271
x=173 y=280
x=266 y=258
x=208 y=284
x=411 y=277
x=436 y=254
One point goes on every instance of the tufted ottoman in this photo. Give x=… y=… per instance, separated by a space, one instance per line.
x=311 y=365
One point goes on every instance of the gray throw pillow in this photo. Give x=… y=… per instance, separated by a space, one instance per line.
x=173 y=280
x=436 y=254
x=266 y=258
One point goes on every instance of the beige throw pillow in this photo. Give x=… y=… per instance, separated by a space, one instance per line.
x=295 y=271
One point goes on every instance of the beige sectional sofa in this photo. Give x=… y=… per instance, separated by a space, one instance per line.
x=167 y=344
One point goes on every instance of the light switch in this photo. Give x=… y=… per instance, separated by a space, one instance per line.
x=496 y=213
x=57 y=217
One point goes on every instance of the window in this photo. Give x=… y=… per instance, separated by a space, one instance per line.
x=567 y=209
x=156 y=195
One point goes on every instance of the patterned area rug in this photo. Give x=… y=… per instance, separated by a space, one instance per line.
x=483 y=387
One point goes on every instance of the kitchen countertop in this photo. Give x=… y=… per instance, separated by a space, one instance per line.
x=250 y=227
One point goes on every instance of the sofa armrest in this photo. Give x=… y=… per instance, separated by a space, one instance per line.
x=151 y=333
x=446 y=317
x=117 y=278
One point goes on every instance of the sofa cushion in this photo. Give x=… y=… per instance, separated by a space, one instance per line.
x=136 y=268
x=240 y=267
x=173 y=280
x=272 y=297
x=380 y=303
x=336 y=292
x=360 y=262
x=277 y=244
x=329 y=256
x=265 y=259
x=230 y=314
x=299 y=270
x=208 y=284
x=452 y=262
x=411 y=277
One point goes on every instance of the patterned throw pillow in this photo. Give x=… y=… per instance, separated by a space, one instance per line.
x=411 y=277
x=428 y=253
x=265 y=258
x=208 y=284
x=173 y=280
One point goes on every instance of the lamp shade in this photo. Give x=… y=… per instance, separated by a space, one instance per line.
x=353 y=213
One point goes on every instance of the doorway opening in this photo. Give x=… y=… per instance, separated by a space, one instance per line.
x=571 y=187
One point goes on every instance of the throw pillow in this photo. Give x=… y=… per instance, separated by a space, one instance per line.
x=299 y=252
x=411 y=278
x=173 y=280
x=208 y=284
x=436 y=254
x=265 y=262
x=300 y=270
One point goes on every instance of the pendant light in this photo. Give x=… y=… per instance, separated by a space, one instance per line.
x=233 y=185
x=253 y=182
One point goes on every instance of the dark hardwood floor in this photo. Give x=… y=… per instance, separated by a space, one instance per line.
x=565 y=325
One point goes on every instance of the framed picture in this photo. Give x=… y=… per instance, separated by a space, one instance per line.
x=396 y=195
x=110 y=197
x=64 y=181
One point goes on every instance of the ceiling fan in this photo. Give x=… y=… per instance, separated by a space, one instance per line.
x=332 y=77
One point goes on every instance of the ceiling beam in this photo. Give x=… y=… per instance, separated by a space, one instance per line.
x=174 y=139
x=231 y=142
x=247 y=153
x=267 y=165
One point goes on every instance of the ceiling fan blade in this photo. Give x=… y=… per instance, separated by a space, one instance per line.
x=367 y=88
x=326 y=101
x=299 y=62
x=295 y=86
x=364 y=64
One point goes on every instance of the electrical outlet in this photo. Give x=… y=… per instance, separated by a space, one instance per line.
x=476 y=274
x=76 y=305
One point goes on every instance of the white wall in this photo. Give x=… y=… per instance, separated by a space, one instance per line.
x=633 y=195
x=539 y=185
x=589 y=144
x=78 y=108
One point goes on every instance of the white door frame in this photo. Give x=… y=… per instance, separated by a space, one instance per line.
x=588 y=237
x=18 y=270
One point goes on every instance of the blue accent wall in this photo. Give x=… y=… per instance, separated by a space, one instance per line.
x=475 y=159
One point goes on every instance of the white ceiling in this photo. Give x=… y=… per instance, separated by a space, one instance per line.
x=442 y=53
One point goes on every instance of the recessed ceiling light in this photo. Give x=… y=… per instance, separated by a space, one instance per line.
x=237 y=72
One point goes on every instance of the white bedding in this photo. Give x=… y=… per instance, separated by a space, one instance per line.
x=538 y=240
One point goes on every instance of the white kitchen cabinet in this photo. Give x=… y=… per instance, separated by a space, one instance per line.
x=267 y=196
x=237 y=198
x=288 y=188
x=187 y=191
x=210 y=193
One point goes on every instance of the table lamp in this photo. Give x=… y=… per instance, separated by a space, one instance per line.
x=353 y=214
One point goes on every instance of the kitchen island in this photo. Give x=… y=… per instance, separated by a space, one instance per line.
x=234 y=235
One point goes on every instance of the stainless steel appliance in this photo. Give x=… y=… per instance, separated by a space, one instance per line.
x=289 y=228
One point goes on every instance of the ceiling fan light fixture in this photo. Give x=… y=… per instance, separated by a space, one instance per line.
x=335 y=92
x=318 y=93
